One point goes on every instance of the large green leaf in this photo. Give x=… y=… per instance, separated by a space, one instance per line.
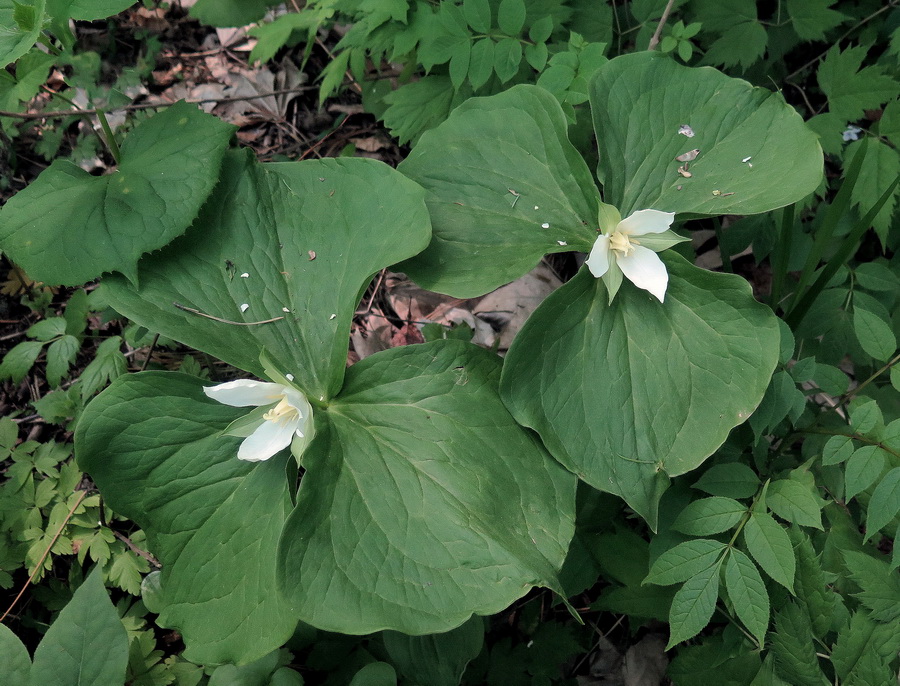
x=69 y=227
x=151 y=442
x=20 y=25
x=14 y=658
x=305 y=237
x=641 y=101
x=86 y=10
x=628 y=394
x=496 y=172
x=423 y=502
x=86 y=645
x=436 y=659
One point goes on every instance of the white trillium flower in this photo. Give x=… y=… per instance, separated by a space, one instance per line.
x=284 y=414
x=628 y=247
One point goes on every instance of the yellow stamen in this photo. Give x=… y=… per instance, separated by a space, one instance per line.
x=283 y=411
x=622 y=243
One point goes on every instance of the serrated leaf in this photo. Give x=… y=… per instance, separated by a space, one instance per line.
x=794 y=650
x=87 y=643
x=511 y=16
x=740 y=45
x=732 y=480
x=852 y=90
x=748 y=594
x=880 y=585
x=770 y=546
x=108 y=364
x=817 y=598
x=266 y=220
x=884 y=504
x=873 y=333
x=19 y=360
x=693 y=605
x=684 y=561
x=709 y=516
x=419 y=106
x=397 y=450
x=60 y=356
x=863 y=636
x=16 y=39
x=865 y=416
x=14 y=658
x=812 y=19
x=438 y=659
x=862 y=469
x=47 y=329
x=837 y=449
x=877 y=276
x=218 y=549
x=68 y=227
x=598 y=400
x=794 y=502
x=880 y=168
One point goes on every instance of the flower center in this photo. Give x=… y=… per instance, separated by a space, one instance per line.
x=621 y=242
x=282 y=412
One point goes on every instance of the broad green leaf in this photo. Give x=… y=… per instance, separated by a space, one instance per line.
x=880 y=585
x=478 y=14
x=296 y=242
x=481 y=62
x=222 y=13
x=507 y=57
x=87 y=643
x=255 y=673
x=732 y=122
x=423 y=502
x=19 y=360
x=811 y=19
x=794 y=649
x=511 y=16
x=684 y=561
x=69 y=227
x=541 y=29
x=628 y=394
x=693 y=605
x=375 y=674
x=865 y=416
x=748 y=594
x=877 y=276
x=436 y=659
x=862 y=469
x=211 y=519
x=14 y=658
x=863 y=636
x=21 y=22
x=488 y=153
x=851 y=90
x=709 y=516
x=459 y=63
x=60 y=356
x=884 y=504
x=796 y=503
x=770 y=546
x=732 y=480
x=874 y=334
x=86 y=10
x=837 y=449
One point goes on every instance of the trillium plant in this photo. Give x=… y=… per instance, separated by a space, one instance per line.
x=428 y=483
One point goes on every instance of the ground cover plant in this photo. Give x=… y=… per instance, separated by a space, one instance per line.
x=675 y=219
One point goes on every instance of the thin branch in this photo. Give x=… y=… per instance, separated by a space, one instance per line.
x=137 y=551
x=654 y=41
x=150 y=106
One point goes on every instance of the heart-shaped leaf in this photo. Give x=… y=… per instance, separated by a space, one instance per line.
x=626 y=395
x=756 y=154
x=152 y=443
x=293 y=242
x=423 y=502
x=21 y=22
x=505 y=187
x=69 y=227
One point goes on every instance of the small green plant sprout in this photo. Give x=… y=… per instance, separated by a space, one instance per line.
x=628 y=247
x=678 y=40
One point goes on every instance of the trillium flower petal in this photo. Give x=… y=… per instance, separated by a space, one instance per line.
x=645 y=270
x=267 y=440
x=646 y=221
x=598 y=260
x=245 y=393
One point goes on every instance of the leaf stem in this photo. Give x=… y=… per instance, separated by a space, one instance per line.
x=110 y=138
x=781 y=257
x=853 y=391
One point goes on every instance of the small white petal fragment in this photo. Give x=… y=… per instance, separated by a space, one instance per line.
x=747 y=159
x=689 y=156
x=851 y=133
x=545 y=225
x=245 y=307
x=332 y=316
x=245 y=275
x=684 y=172
x=562 y=242
x=289 y=377
x=686 y=130
x=536 y=207
x=284 y=309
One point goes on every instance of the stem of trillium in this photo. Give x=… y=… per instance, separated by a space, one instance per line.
x=108 y=134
